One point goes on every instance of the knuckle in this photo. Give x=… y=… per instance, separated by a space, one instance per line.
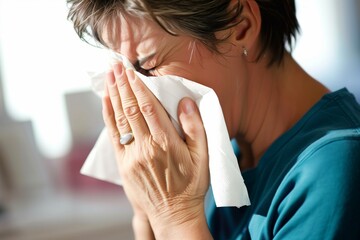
x=148 y=155
x=147 y=109
x=131 y=111
x=121 y=121
x=148 y=158
x=162 y=141
x=156 y=148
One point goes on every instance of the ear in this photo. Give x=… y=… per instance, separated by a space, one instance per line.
x=246 y=33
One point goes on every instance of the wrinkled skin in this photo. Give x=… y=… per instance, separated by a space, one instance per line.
x=164 y=177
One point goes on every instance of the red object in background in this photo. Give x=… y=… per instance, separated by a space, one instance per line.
x=75 y=180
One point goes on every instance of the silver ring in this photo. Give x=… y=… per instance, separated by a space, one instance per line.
x=126 y=138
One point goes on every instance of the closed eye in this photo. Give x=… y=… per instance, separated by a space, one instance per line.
x=146 y=72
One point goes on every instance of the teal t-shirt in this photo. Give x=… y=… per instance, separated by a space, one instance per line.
x=307 y=184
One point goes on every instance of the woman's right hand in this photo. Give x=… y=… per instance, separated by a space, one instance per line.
x=164 y=177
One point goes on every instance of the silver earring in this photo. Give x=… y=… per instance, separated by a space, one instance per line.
x=245 y=52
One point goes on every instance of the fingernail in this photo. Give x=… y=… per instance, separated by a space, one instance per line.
x=118 y=70
x=110 y=78
x=188 y=106
x=130 y=74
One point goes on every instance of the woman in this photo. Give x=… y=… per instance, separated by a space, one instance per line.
x=300 y=143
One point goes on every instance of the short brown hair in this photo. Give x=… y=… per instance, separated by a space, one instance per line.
x=200 y=19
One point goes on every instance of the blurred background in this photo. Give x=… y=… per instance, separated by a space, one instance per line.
x=50 y=118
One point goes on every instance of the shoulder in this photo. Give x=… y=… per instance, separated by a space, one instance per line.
x=344 y=140
x=319 y=196
x=336 y=153
x=327 y=166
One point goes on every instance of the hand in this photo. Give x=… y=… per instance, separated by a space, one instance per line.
x=142 y=227
x=164 y=177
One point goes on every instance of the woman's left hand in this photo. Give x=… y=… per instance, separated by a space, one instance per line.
x=164 y=177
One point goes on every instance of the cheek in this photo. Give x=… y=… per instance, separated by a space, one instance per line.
x=217 y=78
x=177 y=69
x=212 y=76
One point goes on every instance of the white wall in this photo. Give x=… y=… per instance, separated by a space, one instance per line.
x=329 y=46
x=42 y=58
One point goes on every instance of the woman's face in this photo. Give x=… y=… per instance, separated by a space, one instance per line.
x=147 y=45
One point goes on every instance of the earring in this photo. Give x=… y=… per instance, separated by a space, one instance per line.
x=245 y=52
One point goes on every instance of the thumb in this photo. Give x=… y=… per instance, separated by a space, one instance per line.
x=193 y=128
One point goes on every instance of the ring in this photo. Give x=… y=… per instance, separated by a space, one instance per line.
x=126 y=138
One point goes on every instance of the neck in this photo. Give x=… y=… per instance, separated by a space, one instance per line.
x=276 y=98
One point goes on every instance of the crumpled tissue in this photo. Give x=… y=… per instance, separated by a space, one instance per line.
x=225 y=177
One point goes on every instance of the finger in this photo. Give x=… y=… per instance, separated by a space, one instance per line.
x=120 y=118
x=154 y=114
x=193 y=128
x=129 y=103
x=109 y=119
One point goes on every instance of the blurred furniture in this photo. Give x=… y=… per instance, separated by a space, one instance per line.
x=23 y=171
x=43 y=199
x=86 y=123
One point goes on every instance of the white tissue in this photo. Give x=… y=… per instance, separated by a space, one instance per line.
x=227 y=183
